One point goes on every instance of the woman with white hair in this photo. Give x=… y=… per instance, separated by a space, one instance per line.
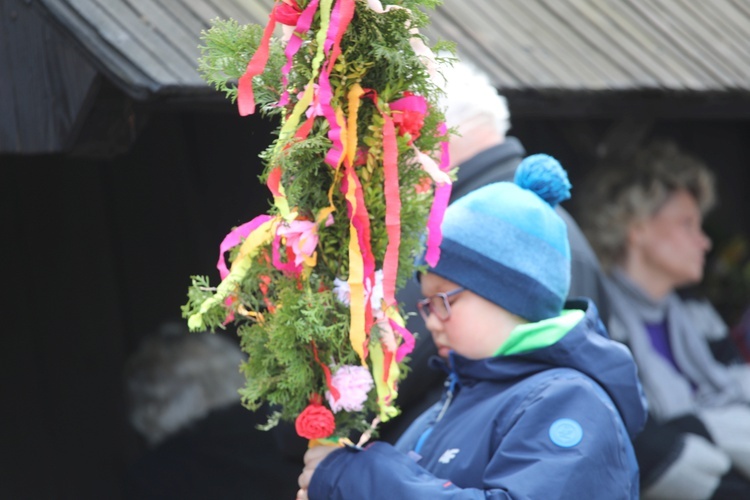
x=644 y=220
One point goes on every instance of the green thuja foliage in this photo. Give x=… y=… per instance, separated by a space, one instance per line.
x=284 y=318
x=227 y=48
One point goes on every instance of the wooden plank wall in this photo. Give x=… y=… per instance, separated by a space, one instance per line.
x=150 y=47
x=45 y=84
x=595 y=45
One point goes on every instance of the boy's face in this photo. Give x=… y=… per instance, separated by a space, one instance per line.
x=476 y=327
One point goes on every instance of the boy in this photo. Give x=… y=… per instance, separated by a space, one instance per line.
x=539 y=403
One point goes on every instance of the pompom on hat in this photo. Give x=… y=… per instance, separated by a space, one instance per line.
x=506 y=243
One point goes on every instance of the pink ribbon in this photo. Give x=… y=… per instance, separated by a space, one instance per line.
x=392 y=210
x=325 y=94
x=410 y=103
x=439 y=206
x=234 y=238
x=341 y=16
x=407 y=346
x=292 y=47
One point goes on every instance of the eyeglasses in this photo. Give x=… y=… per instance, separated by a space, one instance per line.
x=438 y=305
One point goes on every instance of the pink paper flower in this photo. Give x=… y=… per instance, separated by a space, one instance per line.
x=353 y=384
x=302 y=237
x=287 y=12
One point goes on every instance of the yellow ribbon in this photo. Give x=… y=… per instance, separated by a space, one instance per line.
x=356 y=280
x=386 y=389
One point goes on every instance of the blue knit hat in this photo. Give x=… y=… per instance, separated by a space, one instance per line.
x=505 y=242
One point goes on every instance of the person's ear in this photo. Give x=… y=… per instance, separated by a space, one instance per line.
x=637 y=233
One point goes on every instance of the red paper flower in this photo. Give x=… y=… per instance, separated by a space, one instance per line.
x=408 y=115
x=287 y=12
x=316 y=421
x=409 y=122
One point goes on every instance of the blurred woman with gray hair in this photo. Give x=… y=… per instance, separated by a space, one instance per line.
x=182 y=390
x=644 y=220
x=176 y=378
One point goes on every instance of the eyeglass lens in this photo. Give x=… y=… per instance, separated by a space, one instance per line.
x=438 y=305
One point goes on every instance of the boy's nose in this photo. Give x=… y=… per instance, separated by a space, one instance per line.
x=433 y=323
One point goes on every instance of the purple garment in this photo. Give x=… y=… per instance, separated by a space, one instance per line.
x=659 y=335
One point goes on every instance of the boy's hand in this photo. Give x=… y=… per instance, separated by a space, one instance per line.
x=312 y=458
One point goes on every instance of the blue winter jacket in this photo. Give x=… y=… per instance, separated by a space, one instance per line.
x=555 y=422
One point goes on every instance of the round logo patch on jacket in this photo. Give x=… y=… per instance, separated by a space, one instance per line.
x=565 y=432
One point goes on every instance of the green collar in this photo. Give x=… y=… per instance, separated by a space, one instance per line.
x=530 y=336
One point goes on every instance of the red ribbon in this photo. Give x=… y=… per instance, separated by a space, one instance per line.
x=327 y=371
x=245 y=96
x=274 y=181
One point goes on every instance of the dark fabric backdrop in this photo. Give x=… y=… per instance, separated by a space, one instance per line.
x=97 y=253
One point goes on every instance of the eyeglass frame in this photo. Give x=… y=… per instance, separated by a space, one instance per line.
x=425 y=308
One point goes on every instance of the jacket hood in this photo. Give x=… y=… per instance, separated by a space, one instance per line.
x=585 y=348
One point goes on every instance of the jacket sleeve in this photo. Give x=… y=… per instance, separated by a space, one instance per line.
x=524 y=461
x=380 y=471
x=567 y=441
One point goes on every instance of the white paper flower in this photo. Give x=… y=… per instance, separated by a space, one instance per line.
x=372 y=293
